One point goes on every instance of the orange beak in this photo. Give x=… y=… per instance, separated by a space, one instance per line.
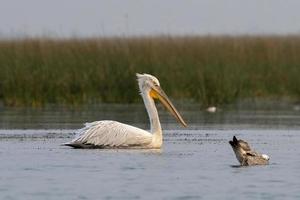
x=158 y=93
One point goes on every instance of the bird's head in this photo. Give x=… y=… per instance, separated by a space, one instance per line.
x=240 y=148
x=150 y=86
x=147 y=82
x=239 y=144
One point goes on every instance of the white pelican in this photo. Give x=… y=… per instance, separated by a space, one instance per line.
x=245 y=155
x=113 y=134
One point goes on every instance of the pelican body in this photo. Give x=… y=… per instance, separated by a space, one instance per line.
x=245 y=155
x=113 y=134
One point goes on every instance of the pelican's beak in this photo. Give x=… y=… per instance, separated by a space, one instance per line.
x=157 y=93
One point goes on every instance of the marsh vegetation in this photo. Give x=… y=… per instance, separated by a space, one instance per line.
x=206 y=70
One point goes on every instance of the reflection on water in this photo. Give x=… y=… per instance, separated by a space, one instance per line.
x=194 y=163
x=240 y=116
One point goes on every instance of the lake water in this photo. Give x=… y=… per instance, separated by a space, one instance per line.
x=194 y=163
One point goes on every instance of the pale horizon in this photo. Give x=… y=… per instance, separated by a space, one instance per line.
x=66 y=18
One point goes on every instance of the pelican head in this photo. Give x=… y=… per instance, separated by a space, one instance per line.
x=149 y=86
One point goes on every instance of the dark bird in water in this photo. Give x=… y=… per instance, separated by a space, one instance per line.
x=245 y=155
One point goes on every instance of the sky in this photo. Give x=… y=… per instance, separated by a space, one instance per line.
x=89 y=18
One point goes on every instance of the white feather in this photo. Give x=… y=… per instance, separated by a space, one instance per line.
x=265 y=156
x=112 y=134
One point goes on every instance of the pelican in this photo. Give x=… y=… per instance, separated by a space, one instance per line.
x=245 y=155
x=113 y=134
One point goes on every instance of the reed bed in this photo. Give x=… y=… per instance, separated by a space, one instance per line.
x=209 y=70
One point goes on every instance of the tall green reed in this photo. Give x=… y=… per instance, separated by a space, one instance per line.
x=206 y=70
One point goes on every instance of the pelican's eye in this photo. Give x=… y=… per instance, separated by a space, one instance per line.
x=155 y=84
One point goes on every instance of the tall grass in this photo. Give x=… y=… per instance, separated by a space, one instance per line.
x=207 y=70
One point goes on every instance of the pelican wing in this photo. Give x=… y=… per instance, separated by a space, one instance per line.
x=106 y=134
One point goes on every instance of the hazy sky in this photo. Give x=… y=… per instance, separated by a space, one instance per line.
x=145 y=17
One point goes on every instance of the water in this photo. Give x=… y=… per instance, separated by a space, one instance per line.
x=194 y=163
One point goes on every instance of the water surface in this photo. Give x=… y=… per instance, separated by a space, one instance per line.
x=194 y=163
